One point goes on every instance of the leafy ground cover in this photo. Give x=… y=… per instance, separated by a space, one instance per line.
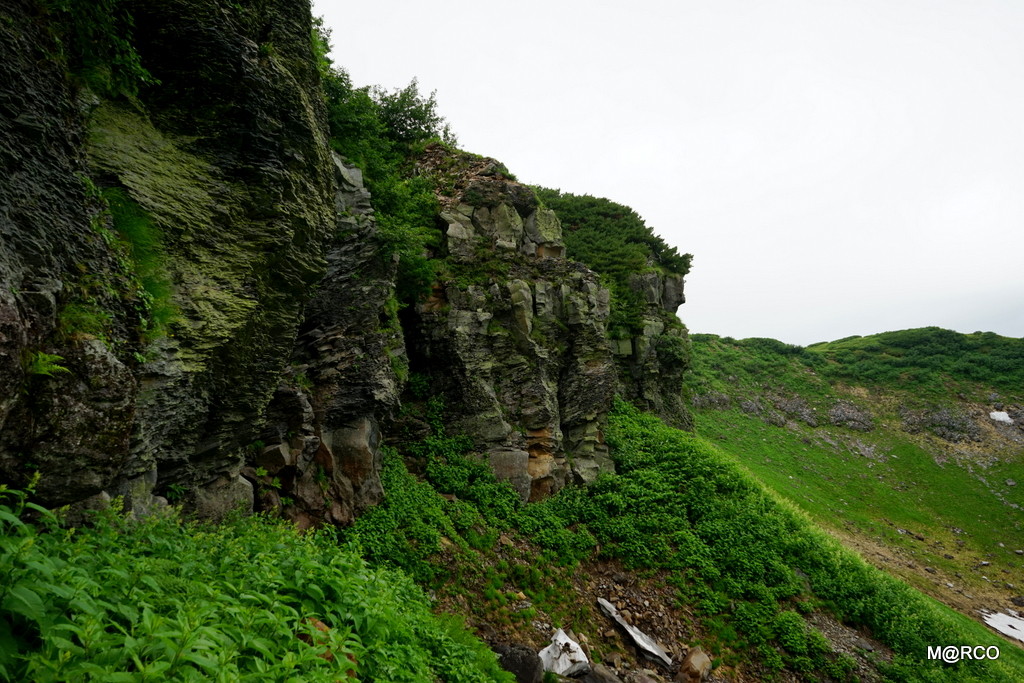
x=250 y=600
x=127 y=600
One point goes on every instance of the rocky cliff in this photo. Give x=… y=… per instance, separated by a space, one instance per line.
x=196 y=304
x=652 y=363
x=223 y=170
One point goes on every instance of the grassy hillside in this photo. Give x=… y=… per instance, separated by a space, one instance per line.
x=887 y=442
x=748 y=576
x=700 y=549
x=929 y=360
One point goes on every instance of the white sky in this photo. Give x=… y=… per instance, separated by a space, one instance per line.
x=835 y=167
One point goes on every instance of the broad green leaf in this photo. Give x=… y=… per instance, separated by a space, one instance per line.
x=24 y=601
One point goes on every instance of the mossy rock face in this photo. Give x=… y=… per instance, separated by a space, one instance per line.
x=515 y=337
x=230 y=159
x=69 y=427
x=227 y=157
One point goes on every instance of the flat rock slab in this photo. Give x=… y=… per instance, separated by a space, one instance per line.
x=644 y=642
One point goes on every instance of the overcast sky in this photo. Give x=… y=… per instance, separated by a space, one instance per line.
x=836 y=167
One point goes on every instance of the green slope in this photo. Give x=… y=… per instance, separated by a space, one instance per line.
x=753 y=572
x=922 y=482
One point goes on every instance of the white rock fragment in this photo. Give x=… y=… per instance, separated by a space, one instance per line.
x=564 y=656
x=1001 y=416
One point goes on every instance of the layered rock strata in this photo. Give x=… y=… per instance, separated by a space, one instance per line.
x=226 y=162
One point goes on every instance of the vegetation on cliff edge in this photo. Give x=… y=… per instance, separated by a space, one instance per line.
x=614 y=241
x=382 y=132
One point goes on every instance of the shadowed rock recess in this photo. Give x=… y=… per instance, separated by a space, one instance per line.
x=195 y=306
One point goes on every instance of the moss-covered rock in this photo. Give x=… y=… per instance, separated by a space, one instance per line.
x=226 y=158
x=514 y=335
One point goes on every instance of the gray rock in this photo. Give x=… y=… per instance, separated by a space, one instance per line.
x=225 y=494
x=512 y=465
x=945 y=422
x=522 y=361
x=521 y=661
x=599 y=673
x=849 y=415
x=695 y=668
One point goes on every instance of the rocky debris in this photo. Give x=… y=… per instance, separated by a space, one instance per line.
x=947 y=423
x=715 y=399
x=796 y=408
x=521 y=661
x=647 y=645
x=850 y=415
x=754 y=406
x=843 y=639
x=564 y=656
x=695 y=667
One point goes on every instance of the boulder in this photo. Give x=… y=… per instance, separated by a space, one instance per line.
x=599 y=673
x=521 y=661
x=695 y=667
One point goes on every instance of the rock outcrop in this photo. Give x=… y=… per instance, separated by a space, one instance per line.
x=324 y=425
x=514 y=334
x=651 y=364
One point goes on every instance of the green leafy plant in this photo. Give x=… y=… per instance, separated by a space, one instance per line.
x=248 y=600
x=382 y=132
x=45 y=364
x=176 y=492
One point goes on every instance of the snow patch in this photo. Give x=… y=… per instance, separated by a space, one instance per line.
x=1001 y=416
x=1004 y=623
